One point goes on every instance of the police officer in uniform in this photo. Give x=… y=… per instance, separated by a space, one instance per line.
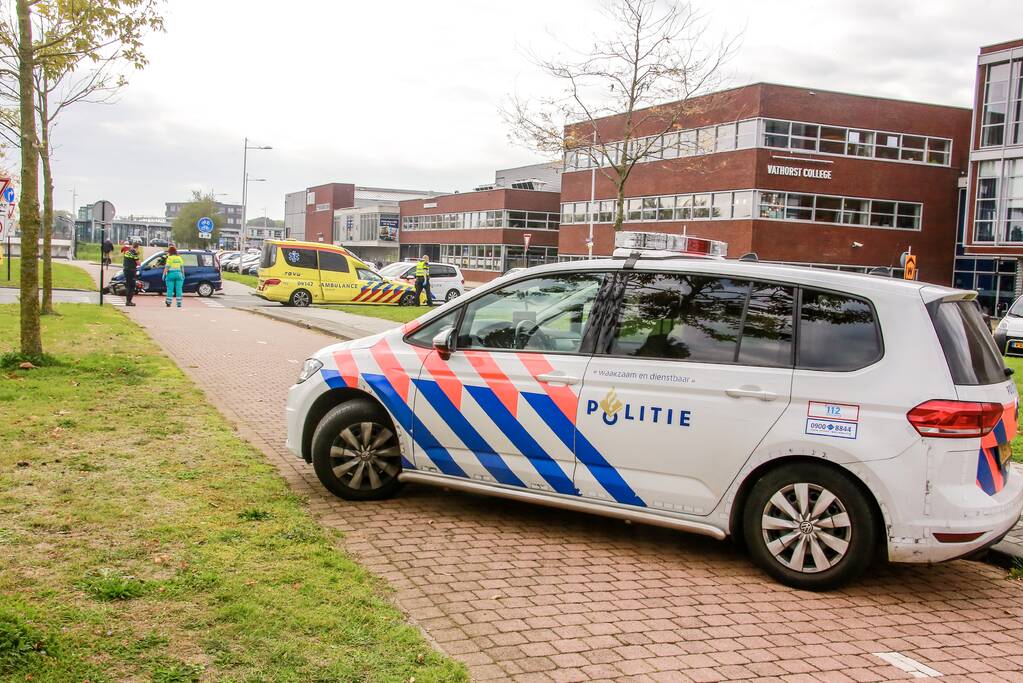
x=132 y=256
x=423 y=279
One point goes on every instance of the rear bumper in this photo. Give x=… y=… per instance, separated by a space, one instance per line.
x=916 y=541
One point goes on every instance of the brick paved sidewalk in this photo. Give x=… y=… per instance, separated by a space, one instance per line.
x=530 y=594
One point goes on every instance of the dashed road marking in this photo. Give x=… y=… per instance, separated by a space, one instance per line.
x=908 y=664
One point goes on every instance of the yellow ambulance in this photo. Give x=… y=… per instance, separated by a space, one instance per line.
x=302 y=273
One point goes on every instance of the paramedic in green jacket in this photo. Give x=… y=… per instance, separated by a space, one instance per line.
x=174 y=275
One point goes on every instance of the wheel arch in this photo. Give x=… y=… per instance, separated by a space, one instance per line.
x=323 y=404
x=742 y=493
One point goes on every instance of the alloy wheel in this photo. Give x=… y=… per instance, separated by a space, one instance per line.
x=806 y=527
x=365 y=456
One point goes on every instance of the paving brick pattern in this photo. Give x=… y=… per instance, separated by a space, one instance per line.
x=531 y=594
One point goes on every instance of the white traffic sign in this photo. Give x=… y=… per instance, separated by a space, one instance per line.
x=103 y=212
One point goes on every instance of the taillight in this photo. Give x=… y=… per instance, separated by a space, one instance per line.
x=954 y=419
x=271 y=282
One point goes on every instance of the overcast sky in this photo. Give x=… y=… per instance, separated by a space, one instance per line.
x=407 y=93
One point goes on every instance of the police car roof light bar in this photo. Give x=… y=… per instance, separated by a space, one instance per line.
x=632 y=244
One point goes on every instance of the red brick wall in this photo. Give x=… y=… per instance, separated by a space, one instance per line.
x=338 y=196
x=933 y=186
x=490 y=200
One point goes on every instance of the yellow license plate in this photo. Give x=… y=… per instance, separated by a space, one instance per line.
x=1016 y=345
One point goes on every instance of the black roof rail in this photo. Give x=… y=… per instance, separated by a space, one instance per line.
x=750 y=256
x=880 y=271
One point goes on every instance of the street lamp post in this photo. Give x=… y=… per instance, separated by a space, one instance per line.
x=245 y=188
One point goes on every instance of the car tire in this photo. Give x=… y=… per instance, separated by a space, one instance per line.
x=798 y=542
x=204 y=289
x=356 y=452
x=451 y=295
x=300 y=298
x=407 y=299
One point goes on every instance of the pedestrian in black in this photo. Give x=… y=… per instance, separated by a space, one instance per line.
x=130 y=266
x=107 y=248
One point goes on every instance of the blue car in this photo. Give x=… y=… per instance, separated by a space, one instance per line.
x=202 y=274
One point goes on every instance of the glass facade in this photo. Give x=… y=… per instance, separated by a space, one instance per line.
x=796 y=136
x=761 y=204
x=495 y=258
x=366 y=227
x=468 y=220
x=992 y=277
x=998 y=208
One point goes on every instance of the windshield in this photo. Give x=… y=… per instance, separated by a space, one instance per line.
x=1017 y=308
x=394 y=270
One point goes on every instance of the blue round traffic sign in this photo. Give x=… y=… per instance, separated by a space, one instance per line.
x=9 y=195
x=205 y=224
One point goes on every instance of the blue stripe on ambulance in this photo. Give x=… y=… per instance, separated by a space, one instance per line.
x=454 y=419
x=411 y=424
x=585 y=453
x=522 y=440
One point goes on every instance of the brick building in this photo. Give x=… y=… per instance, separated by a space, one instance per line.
x=989 y=253
x=483 y=232
x=793 y=174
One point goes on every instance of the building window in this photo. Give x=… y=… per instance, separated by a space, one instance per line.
x=996 y=96
x=986 y=213
x=1013 y=200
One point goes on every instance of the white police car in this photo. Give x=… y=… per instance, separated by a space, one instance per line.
x=1009 y=333
x=822 y=417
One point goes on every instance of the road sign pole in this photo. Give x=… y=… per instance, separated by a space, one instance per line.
x=103 y=263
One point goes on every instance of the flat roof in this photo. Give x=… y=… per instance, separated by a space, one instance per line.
x=791 y=87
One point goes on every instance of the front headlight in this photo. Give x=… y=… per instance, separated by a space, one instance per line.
x=309 y=368
x=1002 y=325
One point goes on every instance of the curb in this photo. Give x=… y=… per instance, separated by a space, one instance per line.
x=300 y=323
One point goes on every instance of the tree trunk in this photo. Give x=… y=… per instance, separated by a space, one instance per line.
x=44 y=154
x=31 y=337
x=620 y=207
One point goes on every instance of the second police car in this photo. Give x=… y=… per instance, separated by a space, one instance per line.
x=824 y=418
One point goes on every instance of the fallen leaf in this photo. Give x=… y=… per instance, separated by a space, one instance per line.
x=23 y=463
x=27 y=366
x=420 y=658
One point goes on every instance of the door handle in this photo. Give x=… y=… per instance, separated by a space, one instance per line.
x=557 y=378
x=747 y=391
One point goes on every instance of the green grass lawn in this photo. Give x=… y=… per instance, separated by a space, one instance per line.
x=65 y=276
x=88 y=251
x=249 y=280
x=143 y=540
x=399 y=314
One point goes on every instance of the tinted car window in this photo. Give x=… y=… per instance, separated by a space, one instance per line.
x=767 y=327
x=836 y=332
x=540 y=314
x=334 y=262
x=680 y=317
x=441 y=271
x=299 y=258
x=966 y=340
x=268 y=257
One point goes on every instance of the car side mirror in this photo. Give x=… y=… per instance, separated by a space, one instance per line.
x=444 y=343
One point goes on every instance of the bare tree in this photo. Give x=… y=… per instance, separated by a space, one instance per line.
x=620 y=99
x=68 y=35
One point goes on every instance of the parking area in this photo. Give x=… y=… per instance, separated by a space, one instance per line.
x=532 y=594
